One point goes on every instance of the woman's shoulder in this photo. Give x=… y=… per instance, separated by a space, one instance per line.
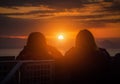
x=54 y=52
x=102 y=54
x=70 y=51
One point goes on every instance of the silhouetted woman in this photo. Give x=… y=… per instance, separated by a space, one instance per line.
x=85 y=61
x=37 y=49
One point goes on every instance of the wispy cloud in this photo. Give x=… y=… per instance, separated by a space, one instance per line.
x=45 y=9
x=24 y=14
x=14 y=37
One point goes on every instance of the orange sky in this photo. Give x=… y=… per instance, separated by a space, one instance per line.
x=98 y=17
x=101 y=17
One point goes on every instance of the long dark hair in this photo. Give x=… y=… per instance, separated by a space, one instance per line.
x=36 y=40
x=85 y=40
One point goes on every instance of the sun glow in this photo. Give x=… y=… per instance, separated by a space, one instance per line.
x=60 y=37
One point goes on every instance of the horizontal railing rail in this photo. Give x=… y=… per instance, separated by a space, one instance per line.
x=26 y=61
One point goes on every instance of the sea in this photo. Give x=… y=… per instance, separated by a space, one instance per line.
x=15 y=52
x=9 y=52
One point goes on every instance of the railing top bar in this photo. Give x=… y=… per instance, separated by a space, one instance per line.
x=26 y=61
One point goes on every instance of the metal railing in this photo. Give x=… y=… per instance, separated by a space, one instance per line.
x=27 y=72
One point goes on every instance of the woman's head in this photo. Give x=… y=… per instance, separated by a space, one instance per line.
x=36 y=39
x=85 y=40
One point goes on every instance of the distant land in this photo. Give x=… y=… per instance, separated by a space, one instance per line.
x=109 y=43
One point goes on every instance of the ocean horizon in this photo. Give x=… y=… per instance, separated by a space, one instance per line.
x=15 y=52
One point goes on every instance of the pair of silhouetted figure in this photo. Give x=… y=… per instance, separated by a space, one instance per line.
x=85 y=62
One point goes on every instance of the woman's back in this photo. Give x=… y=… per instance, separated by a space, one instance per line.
x=86 y=60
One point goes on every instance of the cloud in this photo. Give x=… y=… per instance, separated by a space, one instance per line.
x=61 y=8
x=24 y=15
x=114 y=7
x=14 y=37
x=15 y=26
x=31 y=12
x=85 y=13
x=51 y=3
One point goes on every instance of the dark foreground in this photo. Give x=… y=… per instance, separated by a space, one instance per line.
x=45 y=72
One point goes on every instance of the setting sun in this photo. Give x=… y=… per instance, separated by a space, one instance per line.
x=61 y=37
